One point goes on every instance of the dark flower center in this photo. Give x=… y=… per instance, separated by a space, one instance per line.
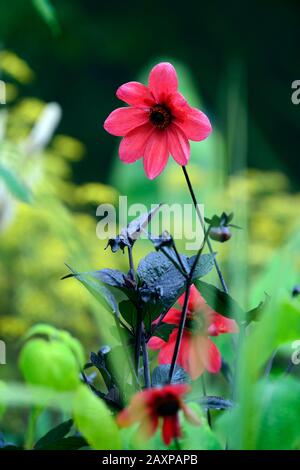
x=197 y=324
x=168 y=408
x=160 y=116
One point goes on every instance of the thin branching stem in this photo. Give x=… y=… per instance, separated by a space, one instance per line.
x=140 y=333
x=218 y=269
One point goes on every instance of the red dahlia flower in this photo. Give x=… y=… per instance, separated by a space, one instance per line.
x=158 y=121
x=197 y=351
x=148 y=406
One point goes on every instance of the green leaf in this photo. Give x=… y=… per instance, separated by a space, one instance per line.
x=164 y=331
x=15 y=184
x=2 y=405
x=66 y=443
x=128 y=312
x=279 y=324
x=48 y=13
x=54 y=434
x=198 y=437
x=160 y=375
x=96 y=288
x=220 y=301
x=16 y=395
x=278 y=408
x=94 y=421
x=49 y=363
x=255 y=313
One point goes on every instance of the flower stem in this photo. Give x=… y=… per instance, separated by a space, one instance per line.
x=180 y=330
x=218 y=269
x=189 y=281
x=140 y=334
x=131 y=264
x=145 y=360
x=204 y=394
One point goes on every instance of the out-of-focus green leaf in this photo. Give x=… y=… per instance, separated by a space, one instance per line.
x=278 y=410
x=24 y=396
x=47 y=11
x=272 y=417
x=96 y=288
x=219 y=301
x=198 y=437
x=255 y=313
x=14 y=184
x=279 y=324
x=94 y=421
x=2 y=404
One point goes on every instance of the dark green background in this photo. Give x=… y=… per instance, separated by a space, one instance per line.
x=105 y=43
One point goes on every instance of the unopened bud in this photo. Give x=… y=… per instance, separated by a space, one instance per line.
x=220 y=234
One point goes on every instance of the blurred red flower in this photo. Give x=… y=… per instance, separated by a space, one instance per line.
x=158 y=121
x=197 y=351
x=151 y=405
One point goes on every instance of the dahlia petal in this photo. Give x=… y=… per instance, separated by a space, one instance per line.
x=132 y=146
x=195 y=299
x=170 y=429
x=172 y=316
x=135 y=94
x=210 y=355
x=155 y=343
x=224 y=324
x=134 y=412
x=190 y=415
x=156 y=154
x=166 y=353
x=177 y=389
x=178 y=105
x=178 y=144
x=196 y=365
x=123 y=120
x=148 y=426
x=196 y=125
x=163 y=81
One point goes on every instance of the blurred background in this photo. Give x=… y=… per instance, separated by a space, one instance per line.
x=61 y=62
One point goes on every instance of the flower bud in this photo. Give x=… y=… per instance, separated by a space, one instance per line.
x=296 y=291
x=220 y=234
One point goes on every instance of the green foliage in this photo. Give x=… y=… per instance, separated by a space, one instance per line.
x=220 y=301
x=2 y=405
x=259 y=407
x=94 y=421
x=199 y=437
x=14 y=184
x=48 y=13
